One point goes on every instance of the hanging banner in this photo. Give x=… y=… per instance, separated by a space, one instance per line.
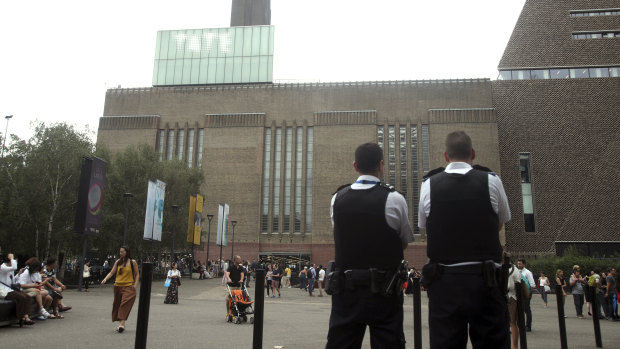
x=198 y=219
x=154 y=216
x=222 y=225
x=191 y=213
x=90 y=196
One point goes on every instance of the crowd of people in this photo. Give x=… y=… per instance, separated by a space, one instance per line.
x=34 y=281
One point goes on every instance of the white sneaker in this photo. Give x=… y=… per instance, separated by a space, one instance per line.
x=44 y=312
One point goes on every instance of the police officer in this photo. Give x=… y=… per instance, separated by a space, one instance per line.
x=371 y=230
x=463 y=209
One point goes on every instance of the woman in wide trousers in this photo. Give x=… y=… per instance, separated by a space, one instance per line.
x=127 y=277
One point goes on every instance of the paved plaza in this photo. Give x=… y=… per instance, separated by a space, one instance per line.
x=293 y=321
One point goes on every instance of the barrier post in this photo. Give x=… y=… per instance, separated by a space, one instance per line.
x=144 y=304
x=417 y=314
x=559 y=295
x=595 y=317
x=520 y=316
x=259 y=308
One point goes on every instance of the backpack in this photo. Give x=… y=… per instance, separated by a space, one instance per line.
x=591 y=281
x=526 y=289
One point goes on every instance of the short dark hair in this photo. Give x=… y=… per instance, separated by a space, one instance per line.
x=50 y=261
x=458 y=145
x=522 y=260
x=368 y=156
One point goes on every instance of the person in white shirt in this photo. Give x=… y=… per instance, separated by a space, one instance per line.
x=321 y=280
x=526 y=302
x=514 y=279
x=22 y=301
x=31 y=282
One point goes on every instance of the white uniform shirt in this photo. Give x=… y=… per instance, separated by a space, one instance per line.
x=396 y=210
x=528 y=275
x=6 y=272
x=499 y=201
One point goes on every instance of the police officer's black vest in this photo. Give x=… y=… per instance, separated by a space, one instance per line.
x=362 y=237
x=462 y=225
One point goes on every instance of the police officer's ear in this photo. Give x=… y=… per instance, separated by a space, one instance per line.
x=473 y=154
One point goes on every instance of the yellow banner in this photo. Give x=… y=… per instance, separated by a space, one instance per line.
x=198 y=219
x=190 y=218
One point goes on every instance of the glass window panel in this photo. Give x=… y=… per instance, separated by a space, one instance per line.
x=579 y=73
x=254 y=68
x=245 y=72
x=309 y=180
x=178 y=71
x=266 y=177
x=614 y=72
x=187 y=71
x=276 y=180
x=201 y=136
x=190 y=147
x=220 y=70
x=255 y=41
x=504 y=75
x=180 y=144
x=169 y=152
x=203 y=70
x=247 y=41
x=415 y=200
x=380 y=136
x=264 y=40
x=237 y=68
x=163 y=46
x=161 y=141
x=263 y=68
x=559 y=74
x=520 y=75
x=225 y=43
x=288 y=168
x=270 y=69
x=402 y=145
x=426 y=162
x=172 y=45
x=229 y=67
x=391 y=154
x=169 y=72
x=272 y=30
x=599 y=72
x=161 y=72
x=239 y=38
x=298 y=177
x=524 y=166
x=539 y=74
x=211 y=69
x=596 y=35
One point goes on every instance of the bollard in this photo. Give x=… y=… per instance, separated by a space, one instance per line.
x=144 y=304
x=560 y=301
x=520 y=316
x=417 y=314
x=595 y=317
x=259 y=308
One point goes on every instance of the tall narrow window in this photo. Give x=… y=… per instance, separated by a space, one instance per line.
x=426 y=162
x=288 y=169
x=190 y=147
x=264 y=221
x=392 y=154
x=402 y=146
x=309 y=164
x=169 y=153
x=526 y=191
x=415 y=197
x=380 y=136
x=201 y=136
x=298 y=178
x=180 y=144
x=276 y=181
x=161 y=141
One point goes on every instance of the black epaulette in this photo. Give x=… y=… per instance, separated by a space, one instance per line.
x=389 y=187
x=341 y=187
x=485 y=169
x=431 y=173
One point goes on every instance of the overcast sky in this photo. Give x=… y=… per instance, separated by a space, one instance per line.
x=59 y=57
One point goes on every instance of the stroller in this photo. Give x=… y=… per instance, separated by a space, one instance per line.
x=239 y=305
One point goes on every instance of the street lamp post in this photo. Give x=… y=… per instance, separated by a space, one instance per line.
x=127 y=196
x=175 y=210
x=233 y=241
x=209 y=217
x=8 y=117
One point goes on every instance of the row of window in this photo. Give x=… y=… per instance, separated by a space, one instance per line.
x=526 y=191
x=559 y=73
x=591 y=13
x=597 y=35
x=404 y=146
x=291 y=186
x=182 y=149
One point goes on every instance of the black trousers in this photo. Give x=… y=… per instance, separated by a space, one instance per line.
x=462 y=303
x=352 y=311
x=527 y=308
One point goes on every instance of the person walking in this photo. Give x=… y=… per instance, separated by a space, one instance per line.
x=269 y=280
x=127 y=277
x=172 y=295
x=86 y=275
x=527 y=301
x=311 y=279
x=302 y=279
x=463 y=209
x=287 y=273
x=275 y=280
x=371 y=230
x=514 y=279
x=544 y=286
x=577 y=283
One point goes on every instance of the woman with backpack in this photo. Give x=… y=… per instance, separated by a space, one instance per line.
x=127 y=277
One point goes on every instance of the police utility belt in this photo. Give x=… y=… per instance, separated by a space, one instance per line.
x=384 y=282
x=488 y=269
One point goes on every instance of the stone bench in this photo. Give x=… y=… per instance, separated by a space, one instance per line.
x=7 y=311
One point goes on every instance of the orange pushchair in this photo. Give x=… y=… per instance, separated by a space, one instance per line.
x=239 y=305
